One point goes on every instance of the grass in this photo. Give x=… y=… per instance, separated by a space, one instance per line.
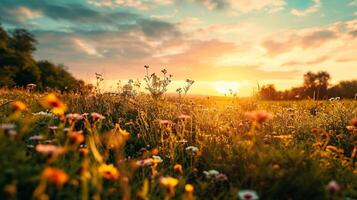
x=175 y=148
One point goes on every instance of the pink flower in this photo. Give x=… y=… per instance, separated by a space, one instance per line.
x=96 y=116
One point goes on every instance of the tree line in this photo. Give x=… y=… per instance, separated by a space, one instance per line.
x=316 y=86
x=18 y=68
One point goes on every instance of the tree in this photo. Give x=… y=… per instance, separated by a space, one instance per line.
x=346 y=89
x=19 y=68
x=268 y=92
x=316 y=85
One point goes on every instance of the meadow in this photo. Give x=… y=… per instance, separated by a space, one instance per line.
x=108 y=146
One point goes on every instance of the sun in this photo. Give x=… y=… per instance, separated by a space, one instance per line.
x=226 y=87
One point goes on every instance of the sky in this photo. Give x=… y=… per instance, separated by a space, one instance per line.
x=221 y=44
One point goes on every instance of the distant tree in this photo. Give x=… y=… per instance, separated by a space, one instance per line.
x=268 y=92
x=19 y=68
x=55 y=76
x=344 y=89
x=316 y=85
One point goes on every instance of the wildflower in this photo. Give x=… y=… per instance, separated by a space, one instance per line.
x=76 y=137
x=18 y=106
x=145 y=162
x=44 y=114
x=9 y=129
x=211 y=173
x=221 y=177
x=55 y=176
x=183 y=117
x=31 y=86
x=154 y=151
x=48 y=149
x=354 y=122
x=189 y=188
x=124 y=133
x=52 y=102
x=36 y=137
x=96 y=116
x=191 y=149
x=168 y=182
x=178 y=168
x=108 y=172
x=72 y=117
x=53 y=128
x=156 y=159
x=315 y=130
x=7 y=126
x=333 y=187
x=259 y=116
x=248 y=195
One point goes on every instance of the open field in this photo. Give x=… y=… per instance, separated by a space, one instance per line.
x=175 y=148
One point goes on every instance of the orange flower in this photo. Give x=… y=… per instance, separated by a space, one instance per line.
x=354 y=122
x=52 y=102
x=178 y=168
x=56 y=176
x=83 y=151
x=76 y=137
x=18 y=106
x=108 y=172
x=259 y=116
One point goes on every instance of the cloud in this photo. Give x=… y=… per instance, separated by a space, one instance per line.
x=243 y=6
x=304 y=39
x=87 y=48
x=314 y=61
x=18 y=14
x=137 y=4
x=312 y=9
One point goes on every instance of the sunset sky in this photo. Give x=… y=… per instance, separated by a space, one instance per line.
x=221 y=44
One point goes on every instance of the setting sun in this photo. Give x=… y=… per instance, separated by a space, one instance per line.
x=226 y=87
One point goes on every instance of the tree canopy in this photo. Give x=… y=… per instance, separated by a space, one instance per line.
x=18 y=67
x=316 y=86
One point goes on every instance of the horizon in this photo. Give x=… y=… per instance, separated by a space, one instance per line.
x=221 y=45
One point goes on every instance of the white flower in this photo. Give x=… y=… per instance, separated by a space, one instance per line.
x=43 y=113
x=7 y=126
x=158 y=159
x=36 y=137
x=211 y=173
x=192 y=149
x=248 y=195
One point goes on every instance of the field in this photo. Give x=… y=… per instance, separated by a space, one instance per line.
x=72 y=146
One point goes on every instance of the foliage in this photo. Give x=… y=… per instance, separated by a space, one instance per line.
x=18 y=67
x=316 y=86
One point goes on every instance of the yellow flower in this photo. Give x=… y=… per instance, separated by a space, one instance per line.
x=52 y=102
x=124 y=133
x=168 y=182
x=189 y=188
x=56 y=176
x=18 y=106
x=108 y=172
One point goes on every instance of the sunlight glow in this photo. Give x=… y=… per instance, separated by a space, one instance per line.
x=226 y=87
